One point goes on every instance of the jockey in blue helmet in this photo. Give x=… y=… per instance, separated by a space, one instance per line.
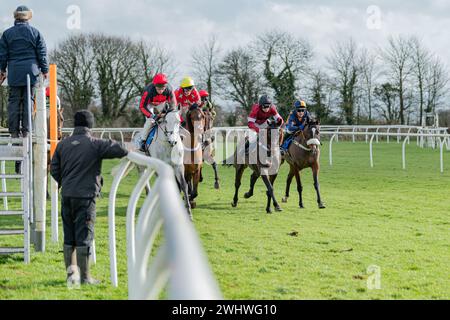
x=296 y=121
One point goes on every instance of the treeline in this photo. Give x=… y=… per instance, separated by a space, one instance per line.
x=393 y=84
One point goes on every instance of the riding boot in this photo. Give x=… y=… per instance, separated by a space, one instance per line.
x=70 y=261
x=83 y=264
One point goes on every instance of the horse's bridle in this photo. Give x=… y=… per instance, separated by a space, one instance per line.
x=163 y=129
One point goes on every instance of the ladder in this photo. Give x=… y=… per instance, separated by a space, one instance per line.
x=12 y=150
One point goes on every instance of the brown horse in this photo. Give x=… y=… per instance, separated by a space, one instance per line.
x=193 y=154
x=208 y=147
x=268 y=171
x=303 y=153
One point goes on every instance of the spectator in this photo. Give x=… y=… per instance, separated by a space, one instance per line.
x=76 y=166
x=22 y=52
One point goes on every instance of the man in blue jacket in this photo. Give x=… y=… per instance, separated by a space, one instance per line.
x=296 y=121
x=23 y=52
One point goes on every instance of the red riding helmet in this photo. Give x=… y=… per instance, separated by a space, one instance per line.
x=47 y=92
x=203 y=93
x=160 y=78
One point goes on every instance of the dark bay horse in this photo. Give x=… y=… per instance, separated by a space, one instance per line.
x=304 y=152
x=208 y=147
x=193 y=153
x=268 y=171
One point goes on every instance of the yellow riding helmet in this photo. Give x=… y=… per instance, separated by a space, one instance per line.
x=187 y=82
x=303 y=104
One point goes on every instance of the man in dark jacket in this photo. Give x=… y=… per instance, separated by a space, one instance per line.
x=76 y=166
x=23 y=52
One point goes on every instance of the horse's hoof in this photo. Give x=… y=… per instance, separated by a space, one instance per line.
x=201 y=179
x=321 y=206
x=284 y=199
x=301 y=206
x=268 y=210
x=216 y=185
x=234 y=204
x=278 y=208
x=193 y=205
x=248 y=195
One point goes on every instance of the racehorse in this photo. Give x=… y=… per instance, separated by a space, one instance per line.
x=304 y=152
x=267 y=171
x=208 y=147
x=167 y=146
x=193 y=153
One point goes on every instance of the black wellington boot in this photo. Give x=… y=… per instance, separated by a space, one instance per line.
x=83 y=264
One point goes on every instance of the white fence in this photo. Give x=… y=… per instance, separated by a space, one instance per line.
x=180 y=260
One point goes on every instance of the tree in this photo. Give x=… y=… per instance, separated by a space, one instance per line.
x=437 y=81
x=239 y=78
x=74 y=57
x=388 y=95
x=150 y=60
x=420 y=58
x=318 y=101
x=283 y=58
x=397 y=59
x=205 y=60
x=343 y=63
x=116 y=67
x=368 y=77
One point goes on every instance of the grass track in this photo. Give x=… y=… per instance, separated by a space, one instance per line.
x=385 y=216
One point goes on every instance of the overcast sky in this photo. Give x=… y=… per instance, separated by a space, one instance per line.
x=182 y=25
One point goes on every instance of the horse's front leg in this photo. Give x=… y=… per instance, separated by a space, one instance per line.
x=237 y=183
x=299 y=189
x=315 y=170
x=275 y=202
x=179 y=174
x=216 y=176
x=270 y=195
x=253 y=178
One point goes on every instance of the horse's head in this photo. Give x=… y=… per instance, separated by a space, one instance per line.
x=195 y=120
x=170 y=125
x=311 y=133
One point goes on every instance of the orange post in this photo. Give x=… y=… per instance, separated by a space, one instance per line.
x=53 y=110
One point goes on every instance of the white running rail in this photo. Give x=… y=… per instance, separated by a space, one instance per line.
x=180 y=260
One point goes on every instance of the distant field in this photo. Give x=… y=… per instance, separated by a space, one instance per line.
x=397 y=220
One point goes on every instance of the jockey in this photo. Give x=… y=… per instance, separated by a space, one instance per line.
x=261 y=112
x=187 y=95
x=295 y=122
x=206 y=104
x=154 y=99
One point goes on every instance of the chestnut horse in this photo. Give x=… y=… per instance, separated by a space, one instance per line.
x=304 y=152
x=193 y=153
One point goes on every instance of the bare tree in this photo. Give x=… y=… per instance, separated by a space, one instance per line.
x=205 y=60
x=344 y=65
x=284 y=58
x=397 y=59
x=152 y=59
x=421 y=59
x=369 y=74
x=74 y=58
x=437 y=81
x=239 y=78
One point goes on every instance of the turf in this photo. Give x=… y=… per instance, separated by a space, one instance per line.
x=395 y=219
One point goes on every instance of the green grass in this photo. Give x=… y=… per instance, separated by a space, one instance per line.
x=385 y=216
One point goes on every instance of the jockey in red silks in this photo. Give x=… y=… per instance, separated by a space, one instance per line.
x=187 y=95
x=262 y=111
x=259 y=115
x=156 y=95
